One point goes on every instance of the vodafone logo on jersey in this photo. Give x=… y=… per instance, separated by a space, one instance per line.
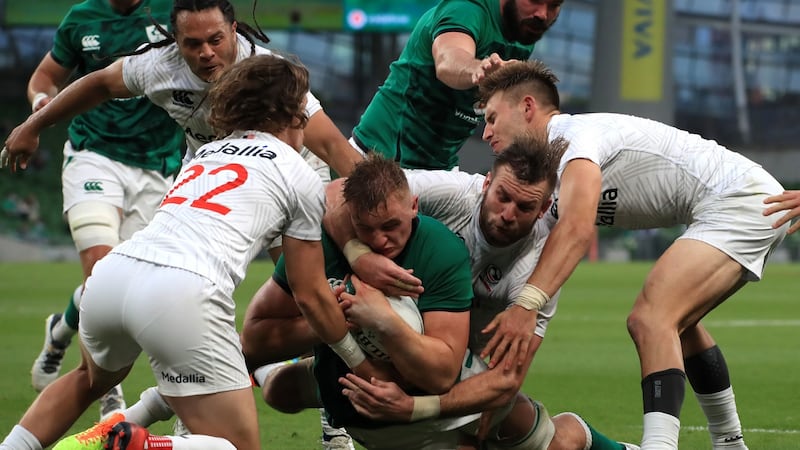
x=90 y=42
x=356 y=19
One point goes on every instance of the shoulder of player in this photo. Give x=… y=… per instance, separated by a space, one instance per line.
x=434 y=237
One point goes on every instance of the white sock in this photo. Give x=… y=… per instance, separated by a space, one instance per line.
x=261 y=374
x=198 y=442
x=61 y=331
x=723 y=420
x=20 y=439
x=150 y=408
x=660 y=431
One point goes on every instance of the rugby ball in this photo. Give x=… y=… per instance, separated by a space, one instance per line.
x=406 y=308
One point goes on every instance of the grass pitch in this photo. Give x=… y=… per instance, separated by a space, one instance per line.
x=587 y=365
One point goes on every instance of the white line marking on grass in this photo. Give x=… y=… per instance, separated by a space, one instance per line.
x=748 y=430
x=752 y=323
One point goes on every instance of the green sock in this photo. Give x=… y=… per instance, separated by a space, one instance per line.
x=601 y=442
x=71 y=314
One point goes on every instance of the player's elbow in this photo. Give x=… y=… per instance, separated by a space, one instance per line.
x=581 y=232
x=442 y=383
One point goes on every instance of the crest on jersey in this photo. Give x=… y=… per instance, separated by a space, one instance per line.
x=90 y=42
x=490 y=276
x=154 y=34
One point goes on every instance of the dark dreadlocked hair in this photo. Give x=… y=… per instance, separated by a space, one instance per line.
x=224 y=6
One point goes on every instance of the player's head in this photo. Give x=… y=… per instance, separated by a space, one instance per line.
x=380 y=203
x=517 y=190
x=205 y=31
x=264 y=93
x=526 y=21
x=517 y=97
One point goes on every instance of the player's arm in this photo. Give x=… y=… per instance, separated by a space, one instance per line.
x=305 y=273
x=377 y=270
x=788 y=201
x=45 y=82
x=566 y=245
x=429 y=361
x=80 y=96
x=456 y=65
x=381 y=400
x=325 y=140
x=273 y=328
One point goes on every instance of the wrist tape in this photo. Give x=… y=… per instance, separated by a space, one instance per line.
x=354 y=249
x=349 y=351
x=531 y=298
x=425 y=407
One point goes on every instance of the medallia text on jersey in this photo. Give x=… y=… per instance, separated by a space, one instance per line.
x=259 y=150
x=606 y=208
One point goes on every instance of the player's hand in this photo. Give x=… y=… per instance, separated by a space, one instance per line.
x=489 y=65
x=368 y=307
x=381 y=272
x=376 y=399
x=788 y=201
x=19 y=147
x=513 y=335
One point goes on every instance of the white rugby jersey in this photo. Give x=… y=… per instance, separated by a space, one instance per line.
x=498 y=273
x=236 y=195
x=653 y=174
x=164 y=77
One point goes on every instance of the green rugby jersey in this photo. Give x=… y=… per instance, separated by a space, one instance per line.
x=439 y=258
x=132 y=131
x=416 y=119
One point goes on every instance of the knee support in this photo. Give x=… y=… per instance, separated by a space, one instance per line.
x=94 y=223
x=539 y=436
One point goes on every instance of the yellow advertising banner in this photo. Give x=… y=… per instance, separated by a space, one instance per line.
x=643 y=40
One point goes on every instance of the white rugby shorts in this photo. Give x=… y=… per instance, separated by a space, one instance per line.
x=735 y=224
x=89 y=176
x=181 y=320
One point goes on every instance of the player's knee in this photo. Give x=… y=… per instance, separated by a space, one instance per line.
x=570 y=432
x=94 y=224
x=281 y=390
x=539 y=434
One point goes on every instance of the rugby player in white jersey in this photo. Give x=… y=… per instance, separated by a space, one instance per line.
x=630 y=172
x=176 y=75
x=168 y=290
x=497 y=217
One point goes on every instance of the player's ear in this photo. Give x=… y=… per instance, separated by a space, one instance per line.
x=529 y=106
x=415 y=204
x=545 y=206
x=486 y=182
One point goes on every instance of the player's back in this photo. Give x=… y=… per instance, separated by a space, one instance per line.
x=653 y=174
x=234 y=196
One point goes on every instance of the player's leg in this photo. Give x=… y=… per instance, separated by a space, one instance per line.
x=707 y=372
x=273 y=329
x=687 y=281
x=95 y=230
x=187 y=326
x=573 y=432
x=94 y=222
x=57 y=408
x=291 y=388
x=108 y=353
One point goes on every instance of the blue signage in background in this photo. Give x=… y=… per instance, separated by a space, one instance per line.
x=384 y=15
